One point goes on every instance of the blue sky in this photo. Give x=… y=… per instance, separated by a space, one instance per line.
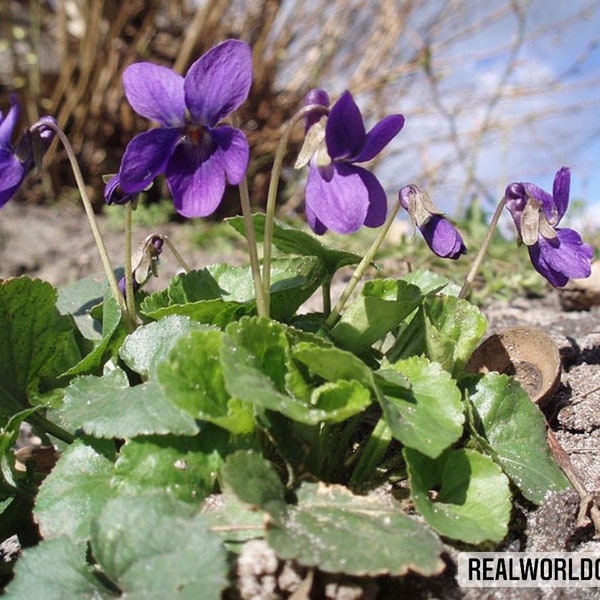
x=548 y=112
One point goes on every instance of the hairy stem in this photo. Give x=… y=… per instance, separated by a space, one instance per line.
x=262 y=305
x=482 y=250
x=129 y=294
x=89 y=211
x=361 y=268
x=50 y=428
x=372 y=453
x=176 y=254
x=272 y=195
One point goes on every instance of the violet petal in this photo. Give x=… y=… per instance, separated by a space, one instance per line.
x=443 y=238
x=345 y=130
x=567 y=254
x=146 y=156
x=155 y=92
x=340 y=204
x=235 y=152
x=560 y=191
x=218 y=82
x=196 y=183
x=313 y=221
x=379 y=137
x=8 y=124
x=12 y=173
x=378 y=208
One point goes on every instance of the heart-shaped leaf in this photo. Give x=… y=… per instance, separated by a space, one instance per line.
x=107 y=407
x=514 y=431
x=428 y=416
x=37 y=343
x=462 y=494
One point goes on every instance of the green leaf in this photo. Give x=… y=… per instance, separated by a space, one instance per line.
x=338 y=532
x=293 y=241
x=73 y=493
x=8 y=437
x=55 y=569
x=112 y=335
x=197 y=295
x=515 y=435
x=221 y=293
x=382 y=305
x=186 y=467
x=192 y=379
x=77 y=299
x=37 y=343
x=150 y=344
x=194 y=286
x=473 y=503
x=215 y=312
x=337 y=401
x=152 y=547
x=293 y=281
x=254 y=357
x=458 y=321
x=107 y=407
x=446 y=329
x=254 y=481
x=427 y=417
x=333 y=364
x=431 y=283
x=234 y=521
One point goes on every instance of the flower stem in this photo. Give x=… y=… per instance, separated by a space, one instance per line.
x=372 y=453
x=129 y=294
x=272 y=195
x=482 y=250
x=176 y=254
x=326 y=291
x=361 y=268
x=110 y=275
x=262 y=306
x=50 y=428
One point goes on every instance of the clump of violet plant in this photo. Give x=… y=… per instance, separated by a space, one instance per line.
x=215 y=386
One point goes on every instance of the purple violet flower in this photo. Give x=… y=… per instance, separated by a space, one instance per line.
x=340 y=195
x=17 y=161
x=439 y=233
x=197 y=155
x=558 y=254
x=114 y=194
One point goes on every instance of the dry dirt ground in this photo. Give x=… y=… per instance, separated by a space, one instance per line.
x=56 y=245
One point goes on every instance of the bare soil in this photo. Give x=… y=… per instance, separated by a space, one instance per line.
x=55 y=244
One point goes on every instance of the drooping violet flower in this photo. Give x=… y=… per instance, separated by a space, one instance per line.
x=558 y=254
x=196 y=153
x=439 y=233
x=114 y=194
x=340 y=195
x=17 y=161
x=145 y=262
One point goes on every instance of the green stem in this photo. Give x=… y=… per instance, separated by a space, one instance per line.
x=89 y=211
x=262 y=305
x=176 y=254
x=326 y=290
x=129 y=293
x=272 y=195
x=50 y=428
x=482 y=250
x=372 y=453
x=340 y=445
x=362 y=267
